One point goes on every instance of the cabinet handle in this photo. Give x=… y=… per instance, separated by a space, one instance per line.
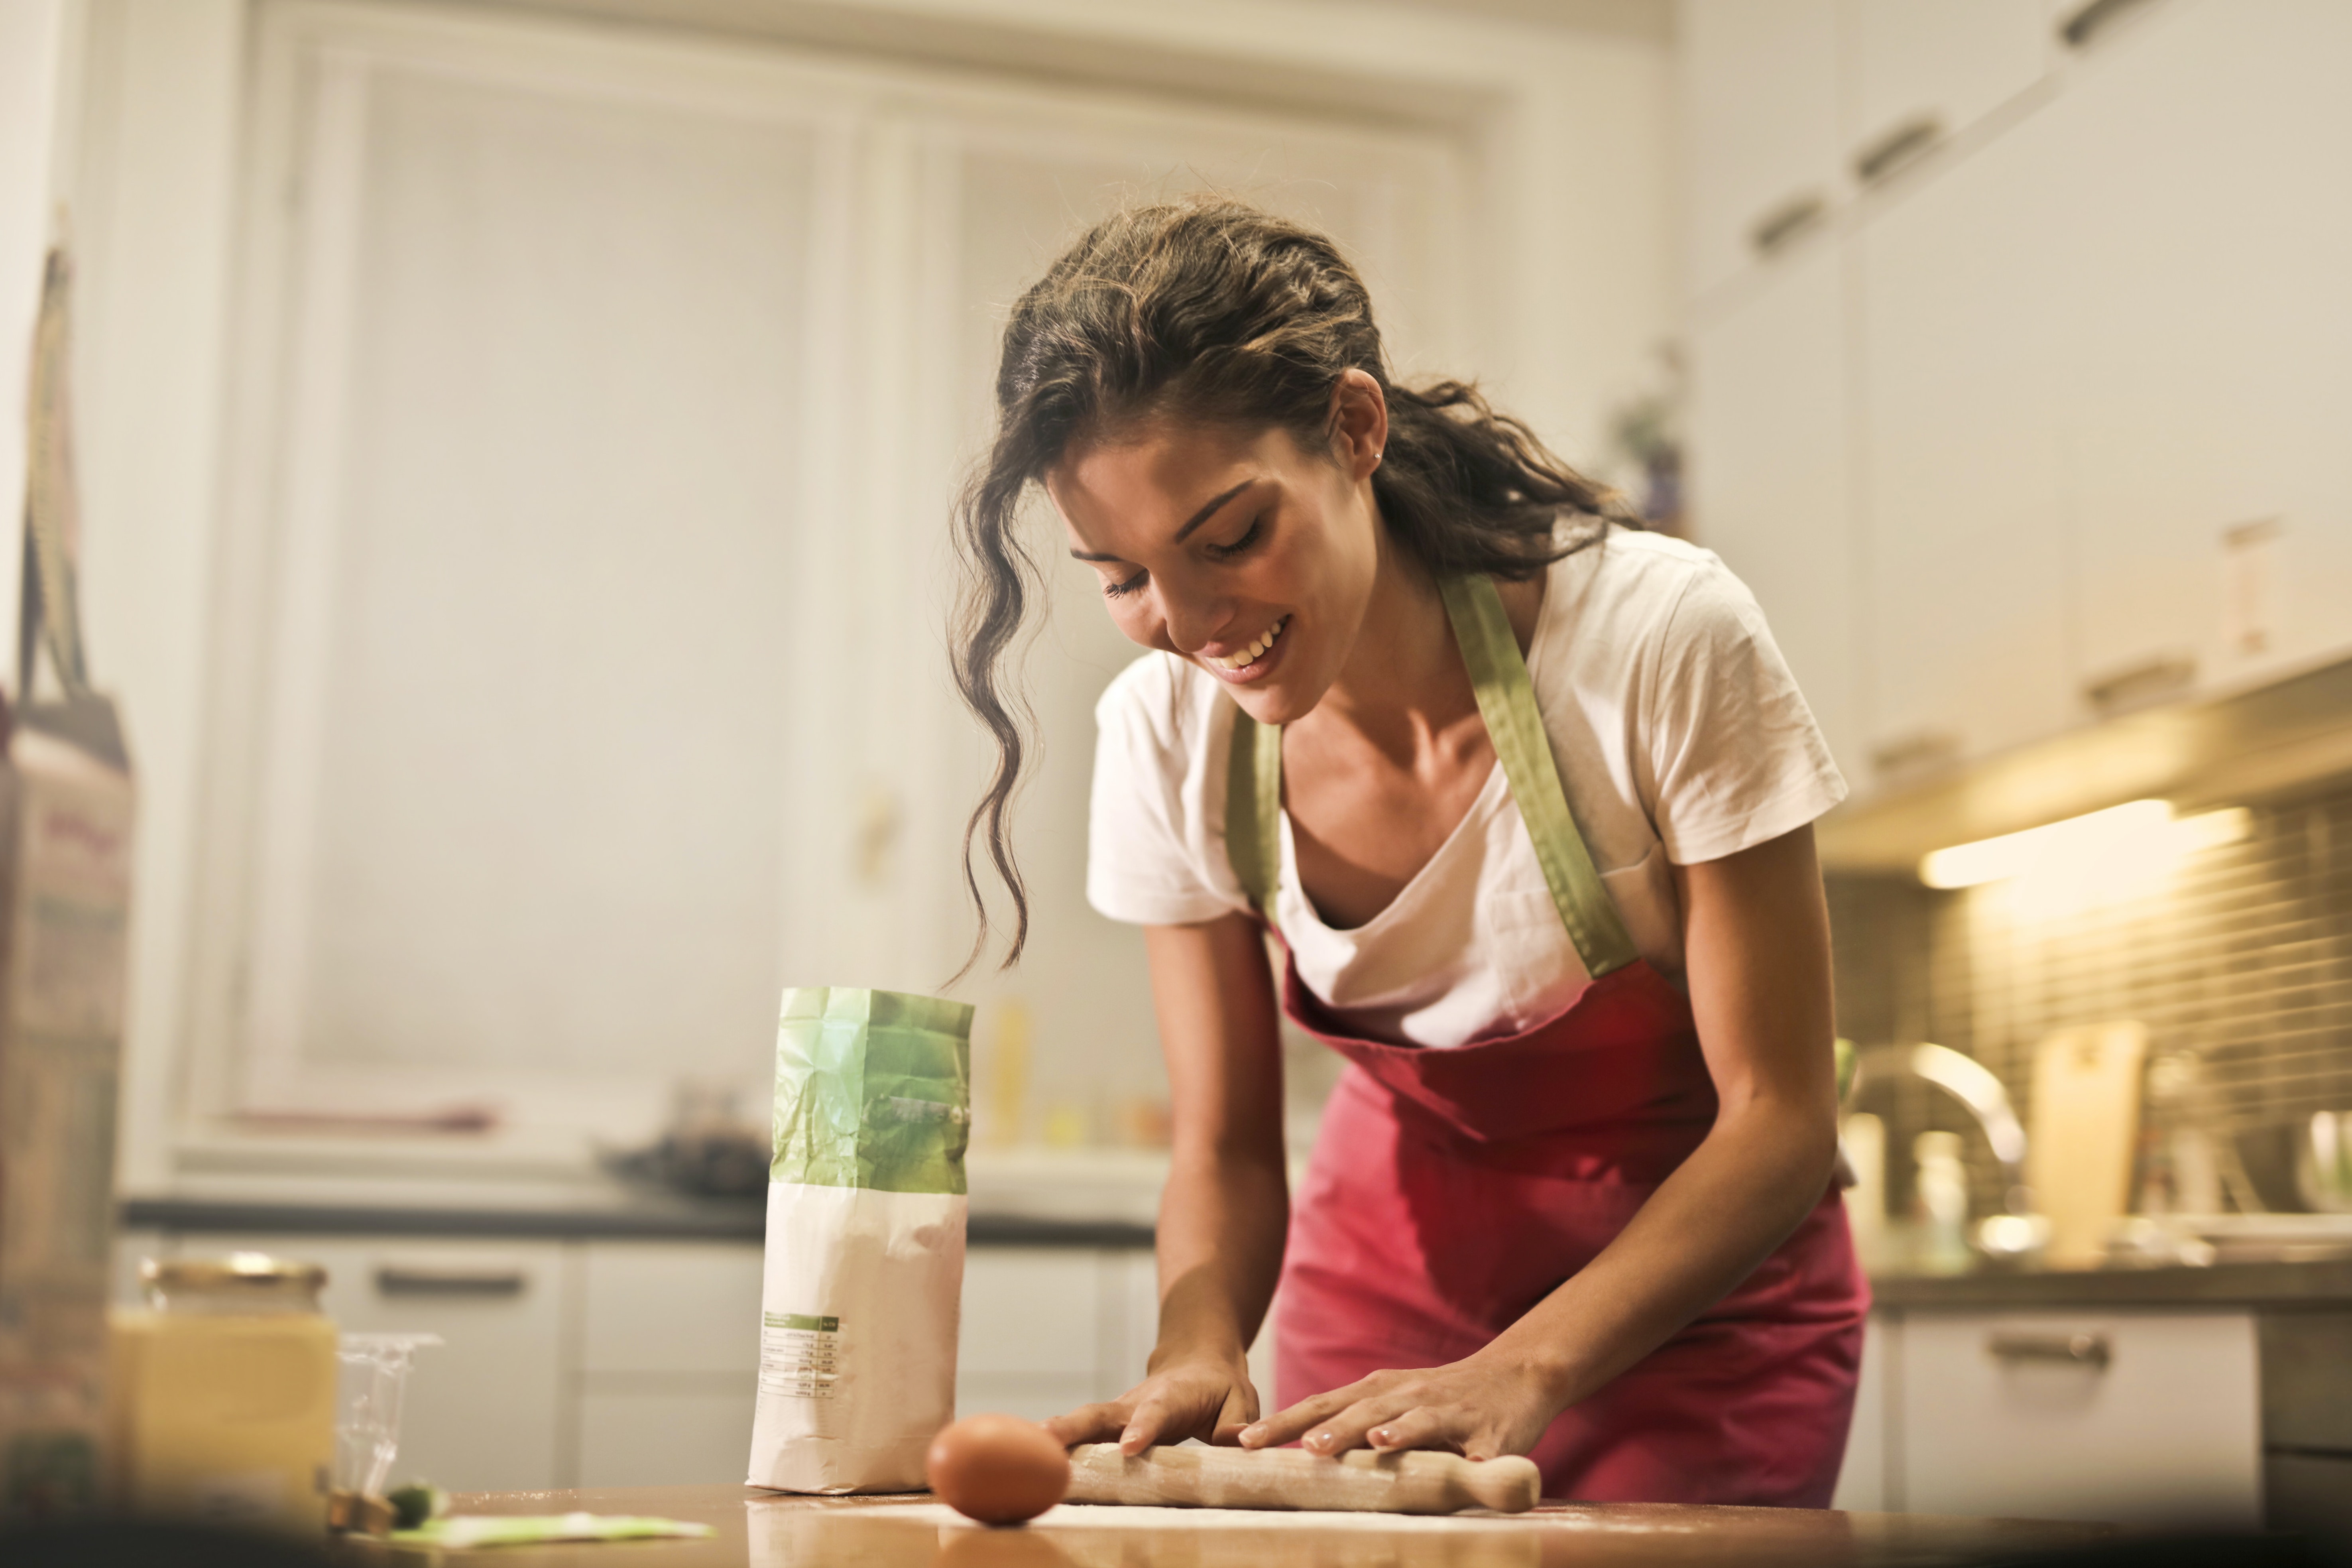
x=395 y=1280
x=1897 y=145
x=2094 y=1351
x=1915 y=753
x=2151 y=680
x=2088 y=21
x=1781 y=224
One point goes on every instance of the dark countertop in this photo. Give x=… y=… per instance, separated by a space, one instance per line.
x=655 y=1217
x=2317 y=1283
x=650 y=1217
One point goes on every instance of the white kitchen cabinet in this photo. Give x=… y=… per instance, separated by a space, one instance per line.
x=668 y=1306
x=484 y=1410
x=1759 y=105
x=1770 y=480
x=660 y=1436
x=1964 y=366
x=1033 y=1323
x=1922 y=71
x=2135 y=1417
x=1862 y=1485
x=2207 y=239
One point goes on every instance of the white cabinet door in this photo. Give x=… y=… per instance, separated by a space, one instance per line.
x=482 y=1410
x=1770 y=477
x=669 y=1360
x=1861 y=1486
x=1759 y=114
x=1964 y=360
x=1999 y=1417
x=1931 y=68
x=1044 y=1330
x=2209 y=241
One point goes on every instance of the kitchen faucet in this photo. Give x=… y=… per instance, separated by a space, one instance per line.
x=2019 y=1230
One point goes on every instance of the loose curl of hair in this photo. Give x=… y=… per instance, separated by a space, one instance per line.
x=1212 y=310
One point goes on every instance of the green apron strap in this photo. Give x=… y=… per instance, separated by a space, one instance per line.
x=1506 y=699
x=1254 y=810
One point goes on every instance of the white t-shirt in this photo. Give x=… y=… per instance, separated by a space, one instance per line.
x=1679 y=734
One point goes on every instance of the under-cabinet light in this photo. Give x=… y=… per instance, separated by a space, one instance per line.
x=2124 y=843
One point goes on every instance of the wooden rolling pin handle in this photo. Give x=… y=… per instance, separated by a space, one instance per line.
x=1508 y=1485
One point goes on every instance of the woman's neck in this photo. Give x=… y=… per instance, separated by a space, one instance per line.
x=1404 y=685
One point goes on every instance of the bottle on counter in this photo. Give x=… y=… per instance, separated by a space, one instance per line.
x=222 y=1397
x=1942 y=1196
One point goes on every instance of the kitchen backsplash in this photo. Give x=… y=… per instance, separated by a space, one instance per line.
x=2242 y=955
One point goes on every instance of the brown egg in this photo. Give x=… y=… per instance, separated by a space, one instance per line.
x=998 y=1469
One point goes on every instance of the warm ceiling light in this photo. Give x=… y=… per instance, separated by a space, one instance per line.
x=2122 y=845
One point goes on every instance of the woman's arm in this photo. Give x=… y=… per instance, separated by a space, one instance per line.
x=1756 y=937
x=1226 y=1206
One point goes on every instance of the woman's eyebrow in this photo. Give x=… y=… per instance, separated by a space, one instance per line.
x=1195 y=521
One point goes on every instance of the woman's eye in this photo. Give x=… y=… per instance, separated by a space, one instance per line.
x=1121 y=589
x=1248 y=537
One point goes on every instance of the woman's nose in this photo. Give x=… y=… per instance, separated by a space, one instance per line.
x=1192 y=625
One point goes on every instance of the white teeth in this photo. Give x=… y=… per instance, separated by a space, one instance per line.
x=1255 y=651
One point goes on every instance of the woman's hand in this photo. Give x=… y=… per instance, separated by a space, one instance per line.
x=1203 y=1398
x=1483 y=1407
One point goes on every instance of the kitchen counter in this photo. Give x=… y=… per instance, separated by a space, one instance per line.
x=647 y=1217
x=2310 y=1283
x=762 y=1530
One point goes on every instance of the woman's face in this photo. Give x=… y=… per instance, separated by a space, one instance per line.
x=1236 y=549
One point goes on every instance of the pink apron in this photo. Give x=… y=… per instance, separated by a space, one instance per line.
x=1452 y=1190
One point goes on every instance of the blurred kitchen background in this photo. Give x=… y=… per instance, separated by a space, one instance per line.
x=515 y=441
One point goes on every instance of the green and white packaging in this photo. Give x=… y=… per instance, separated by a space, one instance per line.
x=865 y=1231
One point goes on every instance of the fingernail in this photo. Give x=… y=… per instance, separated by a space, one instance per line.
x=1381 y=1434
x=1250 y=1435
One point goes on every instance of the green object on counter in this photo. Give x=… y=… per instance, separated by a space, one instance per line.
x=873 y=1089
x=1846 y=1057
x=461 y=1530
x=415 y=1504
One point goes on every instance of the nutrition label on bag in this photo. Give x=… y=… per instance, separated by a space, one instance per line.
x=800 y=1357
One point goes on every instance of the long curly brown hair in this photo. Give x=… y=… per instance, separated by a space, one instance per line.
x=1211 y=310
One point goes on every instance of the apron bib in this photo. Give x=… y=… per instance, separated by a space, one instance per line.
x=1452 y=1190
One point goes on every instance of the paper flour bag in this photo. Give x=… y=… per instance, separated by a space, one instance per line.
x=865 y=1224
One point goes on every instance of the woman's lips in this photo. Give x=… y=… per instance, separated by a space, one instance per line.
x=1253 y=662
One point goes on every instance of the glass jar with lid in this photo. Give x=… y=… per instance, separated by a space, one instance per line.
x=224 y=1393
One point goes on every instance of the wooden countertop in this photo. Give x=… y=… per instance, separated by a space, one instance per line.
x=763 y=1530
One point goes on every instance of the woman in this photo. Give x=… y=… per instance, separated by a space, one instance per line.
x=1526 y=795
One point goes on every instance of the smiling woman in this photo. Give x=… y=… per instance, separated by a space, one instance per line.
x=1526 y=797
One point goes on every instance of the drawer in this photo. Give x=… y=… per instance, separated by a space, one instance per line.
x=2307 y=1381
x=670 y=1307
x=481 y=1412
x=666 y=1437
x=1032 y=1311
x=2142 y=1418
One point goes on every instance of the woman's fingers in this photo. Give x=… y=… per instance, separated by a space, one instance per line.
x=1090 y=1424
x=1421 y=1427
x=1289 y=1426
x=1346 y=1429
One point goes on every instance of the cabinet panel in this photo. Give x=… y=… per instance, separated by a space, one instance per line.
x=1760 y=108
x=670 y=1307
x=482 y=1409
x=2209 y=233
x=1862 y=1485
x=1948 y=61
x=1030 y=1311
x=661 y=1437
x=1965 y=368
x=1770 y=480
x=2164 y=1431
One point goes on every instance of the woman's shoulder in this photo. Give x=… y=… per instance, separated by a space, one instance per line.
x=1629 y=583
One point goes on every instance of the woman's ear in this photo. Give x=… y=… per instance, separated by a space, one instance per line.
x=1360 y=423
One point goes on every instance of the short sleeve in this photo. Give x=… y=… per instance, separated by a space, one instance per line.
x=1139 y=865
x=1735 y=756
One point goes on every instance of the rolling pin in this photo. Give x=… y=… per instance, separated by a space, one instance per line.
x=1358 y=1481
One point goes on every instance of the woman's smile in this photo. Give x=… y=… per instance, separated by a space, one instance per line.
x=1251 y=660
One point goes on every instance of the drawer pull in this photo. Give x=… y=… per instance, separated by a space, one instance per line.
x=2088 y=21
x=1923 y=751
x=1898 y=147
x=472 y=1282
x=2094 y=1351
x=2150 y=681
x=1785 y=223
